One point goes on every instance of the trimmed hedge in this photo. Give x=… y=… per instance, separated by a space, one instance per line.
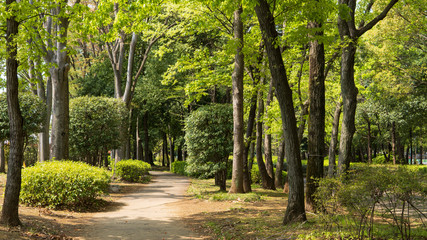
x=178 y=167
x=132 y=170
x=64 y=184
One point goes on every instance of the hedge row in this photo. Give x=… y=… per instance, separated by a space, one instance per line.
x=63 y=184
x=132 y=170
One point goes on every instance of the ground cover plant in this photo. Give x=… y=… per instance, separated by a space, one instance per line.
x=400 y=213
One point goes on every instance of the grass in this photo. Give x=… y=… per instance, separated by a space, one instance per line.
x=259 y=215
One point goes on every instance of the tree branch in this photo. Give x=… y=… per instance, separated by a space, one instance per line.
x=378 y=18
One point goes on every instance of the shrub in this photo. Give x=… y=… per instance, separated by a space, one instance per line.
x=379 y=160
x=367 y=192
x=209 y=139
x=132 y=170
x=63 y=184
x=178 y=167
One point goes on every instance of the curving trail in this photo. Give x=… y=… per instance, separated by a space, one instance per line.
x=145 y=214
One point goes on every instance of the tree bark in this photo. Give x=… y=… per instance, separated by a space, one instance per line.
x=350 y=35
x=334 y=138
x=147 y=150
x=368 y=122
x=9 y=214
x=238 y=128
x=393 y=142
x=2 y=158
x=278 y=180
x=295 y=210
x=172 y=150
x=60 y=101
x=267 y=138
x=316 y=120
x=267 y=181
x=46 y=96
x=248 y=143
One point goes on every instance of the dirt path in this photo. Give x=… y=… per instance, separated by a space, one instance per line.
x=144 y=214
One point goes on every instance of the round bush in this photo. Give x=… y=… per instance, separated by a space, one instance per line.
x=132 y=170
x=64 y=184
x=178 y=167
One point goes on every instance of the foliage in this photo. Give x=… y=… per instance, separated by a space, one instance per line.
x=132 y=170
x=33 y=112
x=63 y=184
x=256 y=176
x=380 y=159
x=209 y=138
x=178 y=167
x=393 y=194
x=95 y=124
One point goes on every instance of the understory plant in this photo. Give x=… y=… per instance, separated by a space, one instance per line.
x=374 y=194
x=63 y=184
x=132 y=170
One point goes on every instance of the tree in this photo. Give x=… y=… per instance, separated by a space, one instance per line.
x=208 y=134
x=238 y=149
x=9 y=214
x=94 y=126
x=349 y=36
x=316 y=120
x=296 y=209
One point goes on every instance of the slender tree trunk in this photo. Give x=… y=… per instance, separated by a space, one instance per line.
x=44 y=135
x=237 y=79
x=316 y=120
x=147 y=150
x=139 y=150
x=180 y=153
x=267 y=181
x=334 y=138
x=369 y=141
x=172 y=149
x=393 y=142
x=295 y=210
x=248 y=143
x=278 y=180
x=267 y=138
x=411 y=147
x=60 y=102
x=350 y=35
x=2 y=158
x=9 y=214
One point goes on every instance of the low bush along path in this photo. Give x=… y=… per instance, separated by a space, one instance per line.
x=144 y=214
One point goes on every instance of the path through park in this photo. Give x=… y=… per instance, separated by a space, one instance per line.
x=145 y=214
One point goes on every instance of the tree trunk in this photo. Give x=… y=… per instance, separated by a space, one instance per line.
x=147 y=150
x=180 y=153
x=267 y=181
x=9 y=214
x=46 y=97
x=2 y=158
x=316 y=120
x=350 y=35
x=172 y=148
x=165 y=149
x=237 y=79
x=369 y=140
x=393 y=141
x=295 y=210
x=139 y=150
x=247 y=165
x=267 y=138
x=278 y=180
x=410 y=147
x=60 y=102
x=334 y=139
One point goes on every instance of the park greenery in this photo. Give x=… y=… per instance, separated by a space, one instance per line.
x=265 y=92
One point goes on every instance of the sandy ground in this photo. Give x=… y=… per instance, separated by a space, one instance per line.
x=146 y=214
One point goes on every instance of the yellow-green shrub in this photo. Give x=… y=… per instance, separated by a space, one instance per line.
x=178 y=167
x=64 y=184
x=132 y=170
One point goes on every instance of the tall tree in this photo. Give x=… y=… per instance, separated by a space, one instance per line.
x=350 y=34
x=295 y=210
x=237 y=79
x=316 y=119
x=9 y=214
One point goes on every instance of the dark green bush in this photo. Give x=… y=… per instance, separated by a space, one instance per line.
x=63 y=184
x=132 y=170
x=178 y=167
